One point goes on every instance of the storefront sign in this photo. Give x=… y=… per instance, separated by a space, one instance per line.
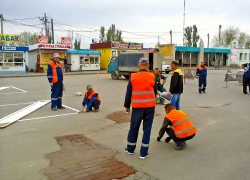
x=65 y=40
x=54 y=46
x=9 y=48
x=10 y=38
x=166 y=50
x=43 y=39
x=126 y=45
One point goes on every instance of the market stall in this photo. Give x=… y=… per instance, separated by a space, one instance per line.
x=84 y=59
x=13 y=59
x=41 y=54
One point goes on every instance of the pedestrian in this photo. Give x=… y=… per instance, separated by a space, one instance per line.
x=216 y=65
x=246 y=77
x=65 y=65
x=181 y=128
x=176 y=85
x=91 y=99
x=141 y=93
x=55 y=77
x=202 y=73
x=160 y=87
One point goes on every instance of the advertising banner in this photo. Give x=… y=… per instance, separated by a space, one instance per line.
x=43 y=39
x=126 y=45
x=234 y=56
x=53 y=46
x=65 y=40
x=166 y=50
x=10 y=38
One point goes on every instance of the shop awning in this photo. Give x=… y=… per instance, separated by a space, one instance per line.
x=187 y=49
x=215 y=50
x=82 y=52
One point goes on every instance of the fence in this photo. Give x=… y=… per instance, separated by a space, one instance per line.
x=233 y=77
x=189 y=74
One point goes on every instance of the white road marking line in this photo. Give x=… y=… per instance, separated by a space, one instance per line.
x=47 y=117
x=22 y=91
x=16 y=104
x=2 y=88
x=70 y=108
x=18 y=89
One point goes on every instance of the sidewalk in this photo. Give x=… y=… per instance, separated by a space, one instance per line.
x=31 y=74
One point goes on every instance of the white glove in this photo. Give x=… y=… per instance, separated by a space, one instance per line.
x=83 y=110
x=51 y=84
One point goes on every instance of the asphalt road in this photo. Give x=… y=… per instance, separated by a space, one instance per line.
x=220 y=150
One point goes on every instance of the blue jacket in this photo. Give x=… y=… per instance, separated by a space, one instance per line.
x=247 y=72
x=129 y=92
x=59 y=73
x=201 y=71
x=90 y=102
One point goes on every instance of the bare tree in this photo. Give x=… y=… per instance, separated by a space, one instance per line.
x=243 y=39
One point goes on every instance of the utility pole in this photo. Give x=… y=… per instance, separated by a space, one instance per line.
x=171 y=37
x=184 y=26
x=52 y=31
x=208 y=40
x=219 y=33
x=1 y=15
x=45 y=21
x=158 y=41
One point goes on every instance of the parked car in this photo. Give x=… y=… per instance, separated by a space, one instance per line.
x=165 y=67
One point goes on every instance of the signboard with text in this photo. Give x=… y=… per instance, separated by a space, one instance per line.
x=9 y=48
x=10 y=38
x=126 y=45
x=65 y=40
x=43 y=39
x=54 y=46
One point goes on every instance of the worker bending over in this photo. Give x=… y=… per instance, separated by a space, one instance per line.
x=160 y=87
x=202 y=73
x=181 y=128
x=246 y=77
x=91 y=99
x=141 y=91
x=55 y=77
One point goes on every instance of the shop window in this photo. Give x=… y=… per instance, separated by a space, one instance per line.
x=1 y=59
x=249 y=56
x=245 y=57
x=96 y=60
x=241 y=56
x=81 y=60
x=113 y=53
x=86 y=60
x=92 y=60
x=18 y=57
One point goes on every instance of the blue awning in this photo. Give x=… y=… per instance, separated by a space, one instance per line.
x=215 y=50
x=187 y=49
x=83 y=52
x=14 y=48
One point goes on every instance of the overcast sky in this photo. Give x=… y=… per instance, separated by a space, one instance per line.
x=134 y=17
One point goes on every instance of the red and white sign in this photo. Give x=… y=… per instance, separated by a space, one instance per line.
x=54 y=46
x=43 y=39
x=65 y=40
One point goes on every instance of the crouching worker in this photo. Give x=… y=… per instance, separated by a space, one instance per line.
x=91 y=99
x=181 y=128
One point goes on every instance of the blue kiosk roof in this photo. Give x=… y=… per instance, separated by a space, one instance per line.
x=14 y=48
x=197 y=49
x=82 y=52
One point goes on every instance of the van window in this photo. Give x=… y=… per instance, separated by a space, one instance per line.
x=113 y=60
x=164 y=63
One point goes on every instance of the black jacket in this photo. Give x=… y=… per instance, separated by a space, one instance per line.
x=176 y=85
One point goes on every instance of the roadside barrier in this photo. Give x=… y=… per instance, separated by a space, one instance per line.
x=189 y=74
x=232 y=77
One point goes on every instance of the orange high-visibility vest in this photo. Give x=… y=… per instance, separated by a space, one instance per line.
x=92 y=93
x=181 y=124
x=143 y=95
x=54 y=73
x=200 y=68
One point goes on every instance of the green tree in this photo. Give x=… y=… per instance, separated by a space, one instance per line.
x=28 y=38
x=188 y=35
x=243 y=39
x=230 y=34
x=77 y=43
x=102 y=34
x=111 y=35
x=195 y=36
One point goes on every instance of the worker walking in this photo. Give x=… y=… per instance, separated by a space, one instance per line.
x=55 y=77
x=176 y=85
x=246 y=77
x=141 y=91
x=202 y=73
x=160 y=87
x=91 y=100
x=181 y=128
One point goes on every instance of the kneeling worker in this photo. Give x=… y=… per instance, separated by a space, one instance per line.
x=91 y=99
x=181 y=128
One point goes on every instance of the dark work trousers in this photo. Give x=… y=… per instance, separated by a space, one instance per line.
x=95 y=103
x=246 y=81
x=56 y=95
x=202 y=81
x=139 y=114
x=177 y=140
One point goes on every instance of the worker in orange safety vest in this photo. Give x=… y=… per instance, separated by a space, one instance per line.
x=181 y=128
x=91 y=99
x=141 y=91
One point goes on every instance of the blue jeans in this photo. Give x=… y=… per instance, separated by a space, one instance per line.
x=139 y=114
x=202 y=81
x=175 y=101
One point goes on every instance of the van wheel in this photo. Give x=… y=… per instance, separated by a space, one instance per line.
x=126 y=76
x=114 y=76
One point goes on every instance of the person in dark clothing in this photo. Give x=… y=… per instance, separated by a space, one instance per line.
x=181 y=128
x=176 y=85
x=246 y=77
x=158 y=78
x=202 y=73
x=65 y=65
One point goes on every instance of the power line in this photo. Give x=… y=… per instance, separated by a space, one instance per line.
x=23 y=19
